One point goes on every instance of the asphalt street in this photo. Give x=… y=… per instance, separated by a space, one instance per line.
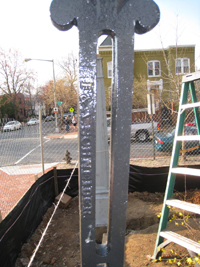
x=22 y=147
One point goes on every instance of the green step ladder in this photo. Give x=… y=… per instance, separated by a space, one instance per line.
x=192 y=246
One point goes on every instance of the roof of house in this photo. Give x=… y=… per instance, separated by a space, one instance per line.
x=107 y=42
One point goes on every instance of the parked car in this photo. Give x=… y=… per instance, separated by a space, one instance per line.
x=12 y=126
x=49 y=118
x=33 y=121
x=164 y=141
x=139 y=131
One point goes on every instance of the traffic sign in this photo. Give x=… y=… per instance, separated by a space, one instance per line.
x=71 y=109
x=59 y=103
x=55 y=110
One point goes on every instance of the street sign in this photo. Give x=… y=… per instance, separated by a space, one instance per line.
x=71 y=109
x=59 y=103
x=55 y=110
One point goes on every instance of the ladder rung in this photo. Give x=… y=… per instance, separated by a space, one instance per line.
x=191 y=77
x=184 y=205
x=188 y=171
x=190 y=105
x=182 y=241
x=188 y=138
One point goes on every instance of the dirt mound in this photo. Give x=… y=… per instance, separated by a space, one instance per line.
x=61 y=243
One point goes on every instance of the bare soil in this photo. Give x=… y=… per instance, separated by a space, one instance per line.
x=60 y=246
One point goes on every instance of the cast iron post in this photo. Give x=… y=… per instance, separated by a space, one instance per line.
x=120 y=19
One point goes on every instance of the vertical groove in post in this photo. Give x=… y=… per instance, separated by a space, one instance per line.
x=0 y=216
x=55 y=181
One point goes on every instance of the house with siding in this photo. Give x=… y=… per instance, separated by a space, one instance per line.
x=156 y=71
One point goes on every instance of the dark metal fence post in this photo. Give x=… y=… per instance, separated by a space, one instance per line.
x=119 y=20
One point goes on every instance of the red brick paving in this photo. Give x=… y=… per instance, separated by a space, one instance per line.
x=12 y=189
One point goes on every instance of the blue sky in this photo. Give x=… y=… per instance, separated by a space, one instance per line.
x=26 y=26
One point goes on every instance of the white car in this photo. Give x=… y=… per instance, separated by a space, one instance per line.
x=33 y=121
x=12 y=126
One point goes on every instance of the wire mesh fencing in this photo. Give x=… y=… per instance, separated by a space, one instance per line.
x=149 y=139
x=23 y=146
x=154 y=139
x=24 y=150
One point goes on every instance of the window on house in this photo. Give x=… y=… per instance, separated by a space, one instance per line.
x=182 y=65
x=20 y=100
x=153 y=68
x=109 y=69
x=21 y=111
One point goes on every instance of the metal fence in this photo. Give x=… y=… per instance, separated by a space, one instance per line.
x=26 y=152
x=21 y=156
x=23 y=146
x=156 y=142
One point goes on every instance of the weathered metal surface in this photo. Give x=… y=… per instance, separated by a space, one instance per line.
x=102 y=153
x=119 y=19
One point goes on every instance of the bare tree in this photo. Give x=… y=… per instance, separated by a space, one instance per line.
x=70 y=68
x=140 y=92
x=14 y=76
x=65 y=93
x=29 y=91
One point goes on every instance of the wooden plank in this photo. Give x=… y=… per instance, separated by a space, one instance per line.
x=188 y=138
x=190 y=105
x=184 y=205
x=55 y=181
x=191 y=77
x=181 y=240
x=187 y=171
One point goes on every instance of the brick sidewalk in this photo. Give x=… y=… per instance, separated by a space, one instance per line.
x=13 y=188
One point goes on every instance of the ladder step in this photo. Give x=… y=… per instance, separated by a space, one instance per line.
x=184 y=205
x=188 y=138
x=190 y=105
x=191 y=77
x=188 y=171
x=181 y=240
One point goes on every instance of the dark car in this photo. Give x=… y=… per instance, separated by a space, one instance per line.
x=164 y=141
x=49 y=118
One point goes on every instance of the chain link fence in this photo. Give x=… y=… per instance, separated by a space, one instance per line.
x=21 y=156
x=22 y=160
x=154 y=139
x=23 y=146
